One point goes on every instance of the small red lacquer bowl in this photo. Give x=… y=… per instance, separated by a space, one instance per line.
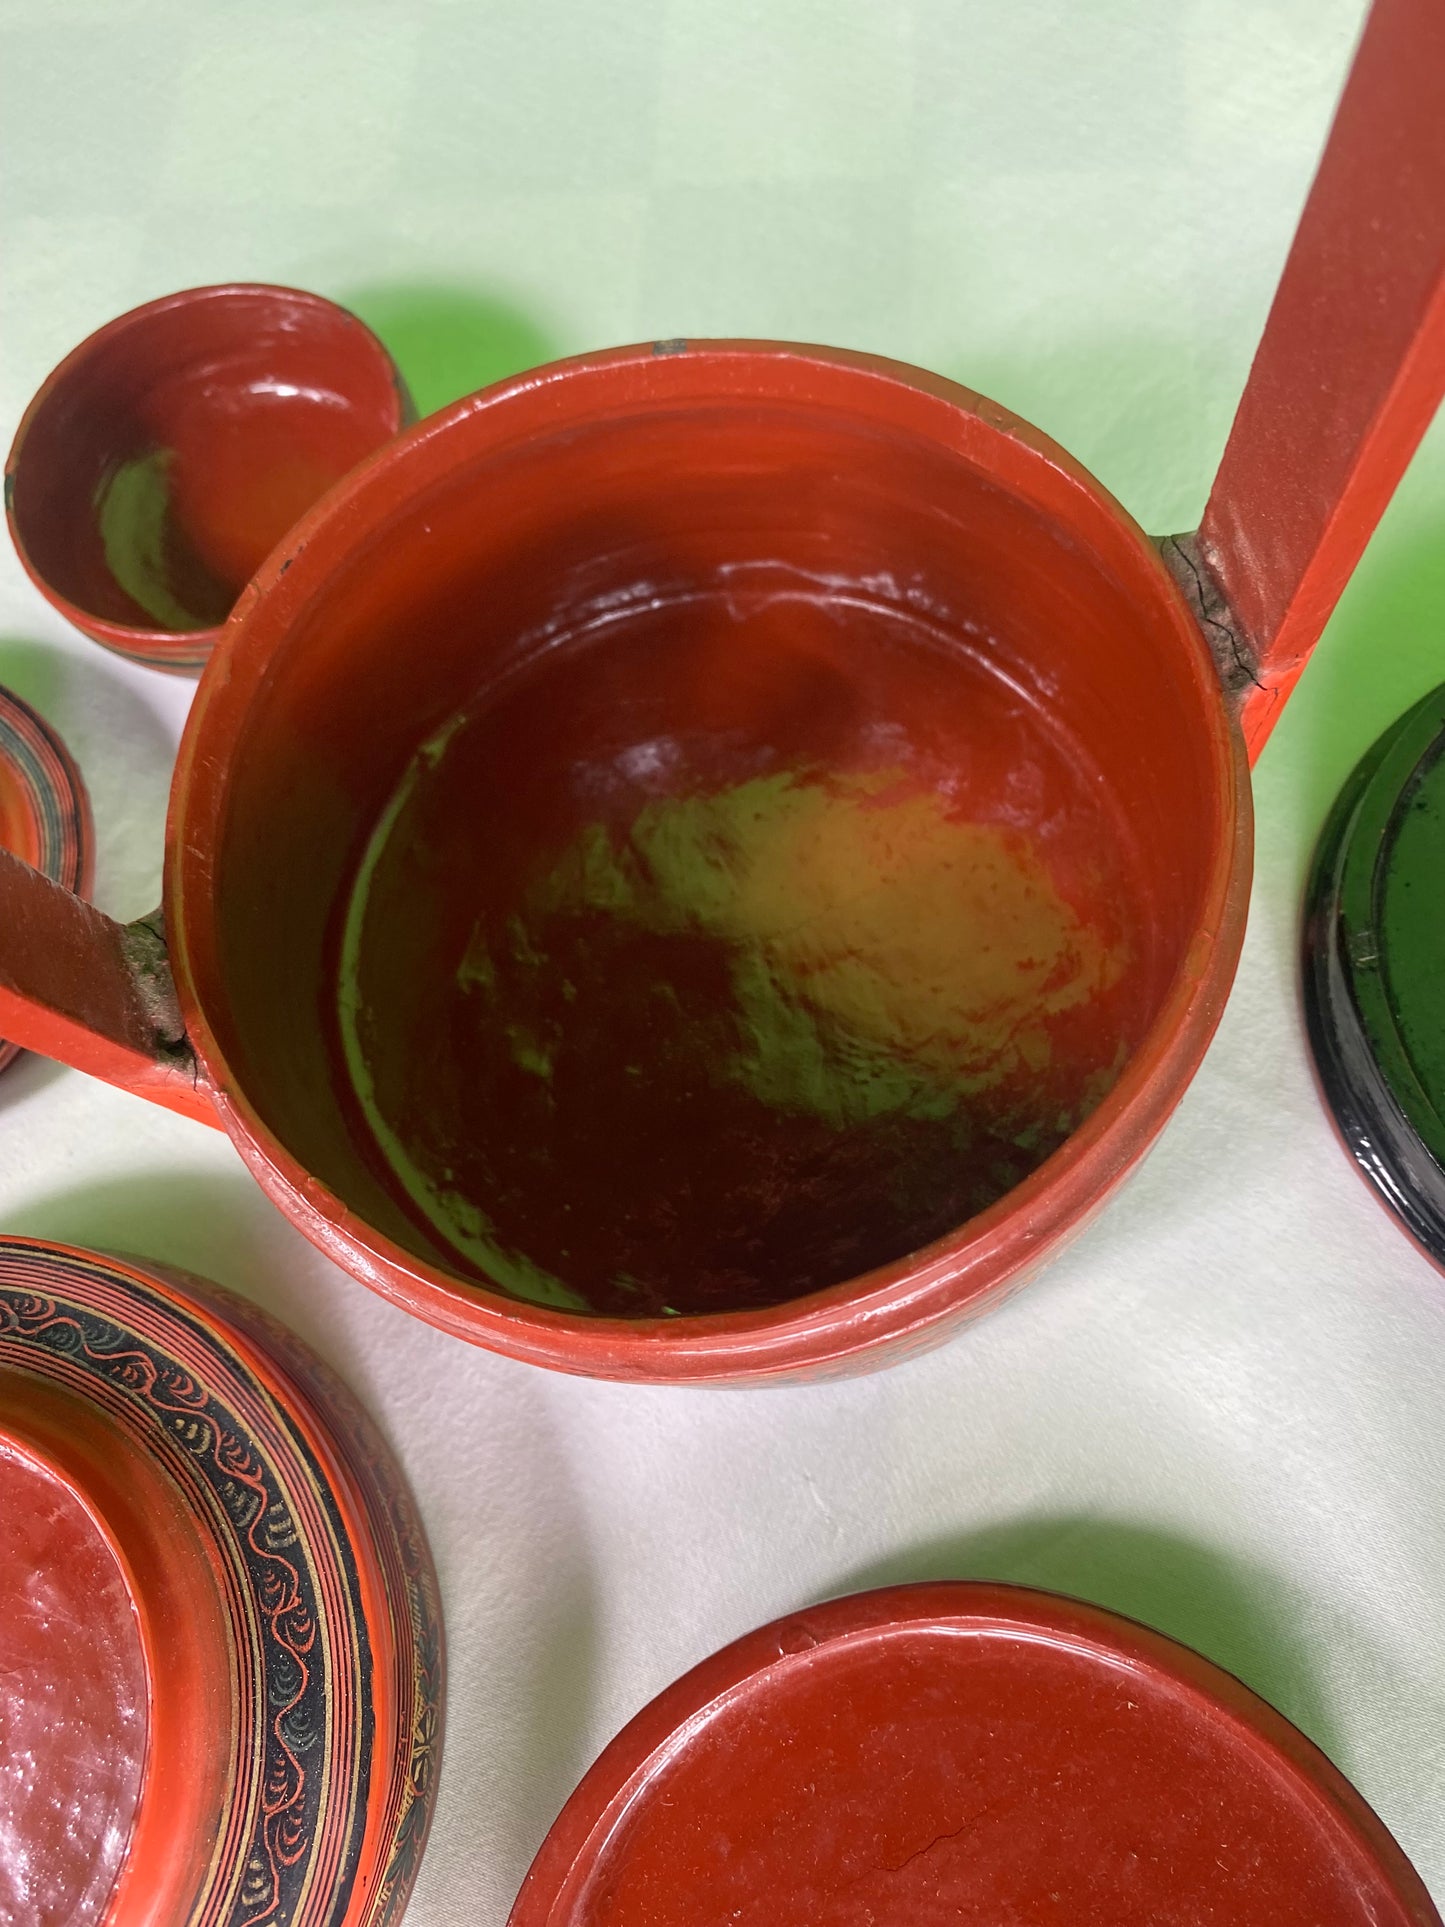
x=220 y=1645
x=168 y=454
x=961 y=1755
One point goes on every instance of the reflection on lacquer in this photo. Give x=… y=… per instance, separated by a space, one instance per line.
x=72 y=1705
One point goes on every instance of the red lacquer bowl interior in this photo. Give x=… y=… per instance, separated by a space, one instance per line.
x=171 y=451
x=763 y=852
x=965 y=1755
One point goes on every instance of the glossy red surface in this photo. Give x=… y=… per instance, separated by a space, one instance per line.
x=177 y=1596
x=1352 y=365
x=73 y=1699
x=969 y=1755
x=165 y=457
x=643 y=582
x=263 y=1744
x=751 y=939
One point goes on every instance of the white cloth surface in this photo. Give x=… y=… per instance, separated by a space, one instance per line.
x=1223 y=1410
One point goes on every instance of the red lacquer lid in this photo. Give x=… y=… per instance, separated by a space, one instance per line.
x=975 y=1755
x=220 y=1649
x=44 y=810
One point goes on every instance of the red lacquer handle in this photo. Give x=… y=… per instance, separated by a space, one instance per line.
x=1351 y=366
x=96 y=994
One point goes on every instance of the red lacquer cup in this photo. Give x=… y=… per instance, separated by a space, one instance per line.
x=169 y=453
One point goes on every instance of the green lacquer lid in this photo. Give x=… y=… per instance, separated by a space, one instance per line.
x=1374 y=967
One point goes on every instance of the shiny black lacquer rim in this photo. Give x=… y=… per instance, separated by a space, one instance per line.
x=1377 y=1119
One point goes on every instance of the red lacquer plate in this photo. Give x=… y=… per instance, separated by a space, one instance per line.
x=221 y=1665
x=968 y=1755
x=44 y=810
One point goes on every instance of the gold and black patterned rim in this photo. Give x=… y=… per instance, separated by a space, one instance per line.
x=310 y=1523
